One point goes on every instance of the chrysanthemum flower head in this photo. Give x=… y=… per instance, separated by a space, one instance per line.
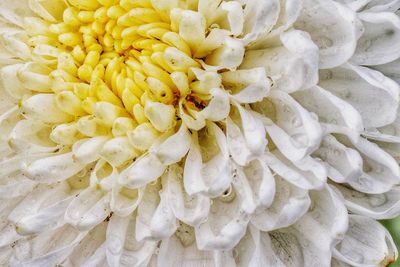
x=199 y=132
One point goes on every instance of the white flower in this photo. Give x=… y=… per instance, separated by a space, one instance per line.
x=199 y=132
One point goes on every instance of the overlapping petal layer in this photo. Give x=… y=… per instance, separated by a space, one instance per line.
x=198 y=132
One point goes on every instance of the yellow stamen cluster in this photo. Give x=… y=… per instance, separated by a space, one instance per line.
x=114 y=61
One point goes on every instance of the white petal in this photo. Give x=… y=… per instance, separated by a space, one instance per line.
x=376 y=206
x=334 y=28
x=155 y=219
x=35 y=77
x=330 y=108
x=292 y=66
x=173 y=252
x=15 y=42
x=88 y=249
x=14 y=12
x=191 y=210
x=367 y=243
x=247 y=85
x=88 y=209
x=118 y=151
x=377 y=101
x=289 y=205
x=225 y=226
x=115 y=239
x=88 y=150
x=259 y=18
x=144 y=170
x=124 y=201
x=296 y=132
x=380 y=170
x=251 y=136
x=53 y=169
x=42 y=107
x=10 y=81
x=207 y=171
x=228 y=56
x=48 y=10
x=304 y=179
x=261 y=181
x=375 y=46
x=343 y=164
x=47 y=249
x=174 y=148
x=31 y=137
x=161 y=116
x=391 y=70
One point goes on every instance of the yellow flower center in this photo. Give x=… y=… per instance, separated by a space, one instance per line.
x=122 y=68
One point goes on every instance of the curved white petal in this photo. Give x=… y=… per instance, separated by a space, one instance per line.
x=246 y=85
x=289 y=205
x=41 y=210
x=88 y=209
x=245 y=135
x=53 y=168
x=259 y=18
x=11 y=83
x=174 y=148
x=124 y=200
x=366 y=243
x=292 y=66
x=191 y=210
x=296 y=131
x=207 y=171
x=343 y=164
x=226 y=223
x=88 y=252
x=330 y=108
x=375 y=46
x=155 y=219
x=35 y=106
x=31 y=137
x=376 y=206
x=334 y=28
x=122 y=249
x=88 y=150
x=182 y=251
x=142 y=171
x=378 y=100
x=46 y=249
x=305 y=179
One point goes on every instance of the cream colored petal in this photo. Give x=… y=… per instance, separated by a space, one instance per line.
x=48 y=248
x=259 y=18
x=144 y=170
x=49 y=10
x=178 y=251
x=37 y=105
x=88 y=209
x=11 y=83
x=174 y=148
x=85 y=253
